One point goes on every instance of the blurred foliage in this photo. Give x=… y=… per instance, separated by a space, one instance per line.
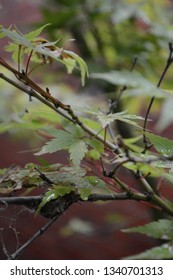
x=108 y=35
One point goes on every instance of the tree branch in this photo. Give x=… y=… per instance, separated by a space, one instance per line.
x=88 y=130
x=35 y=236
x=60 y=204
x=55 y=208
x=168 y=64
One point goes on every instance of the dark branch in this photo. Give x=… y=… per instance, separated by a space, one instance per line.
x=33 y=201
x=168 y=64
x=35 y=236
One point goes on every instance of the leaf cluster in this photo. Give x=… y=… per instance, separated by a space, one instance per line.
x=42 y=50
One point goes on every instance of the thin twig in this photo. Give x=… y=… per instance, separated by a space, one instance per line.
x=134 y=62
x=43 y=176
x=35 y=236
x=21 y=200
x=33 y=93
x=115 y=102
x=4 y=249
x=28 y=61
x=168 y=64
x=19 y=54
x=22 y=77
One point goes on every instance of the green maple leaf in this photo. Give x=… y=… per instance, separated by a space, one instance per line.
x=71 y=139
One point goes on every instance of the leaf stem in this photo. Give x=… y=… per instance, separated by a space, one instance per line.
x=28 y=61
x=19 y=53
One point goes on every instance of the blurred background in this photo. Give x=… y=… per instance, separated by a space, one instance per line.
x=108 y=35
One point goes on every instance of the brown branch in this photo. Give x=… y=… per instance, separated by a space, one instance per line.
x=32 y=93
x=88 y=130
x=34 y=237
x=60 y=204
x=22 y=77
x=27 y=200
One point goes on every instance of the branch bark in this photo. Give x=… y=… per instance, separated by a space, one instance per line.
x=60 y=204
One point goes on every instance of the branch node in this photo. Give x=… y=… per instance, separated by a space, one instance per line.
x=149 y=195
x=43 y=176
